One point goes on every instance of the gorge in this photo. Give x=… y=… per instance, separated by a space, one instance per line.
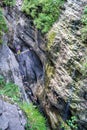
x=48 y=69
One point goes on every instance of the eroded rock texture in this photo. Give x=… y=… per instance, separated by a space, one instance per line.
x=65 y=95
x=11 y=117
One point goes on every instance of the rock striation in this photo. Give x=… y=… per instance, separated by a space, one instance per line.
x=65 y=95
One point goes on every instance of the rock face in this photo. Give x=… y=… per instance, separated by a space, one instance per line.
x=65 y=96
x=9 y=68
x=11 y=117
x=23 y=53
x=22 y=60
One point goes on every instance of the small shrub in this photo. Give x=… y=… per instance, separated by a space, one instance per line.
x=71 y=123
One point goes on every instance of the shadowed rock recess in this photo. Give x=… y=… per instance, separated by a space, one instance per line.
x=24 y=57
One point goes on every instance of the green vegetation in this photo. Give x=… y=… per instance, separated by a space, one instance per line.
x=49 y=71
x=71 y=123
x=43 y=12
x=2 y=81
x=84 y=29
x=51 y=37
x=84 y=68
x=9 y=89
x=3 y=26
x=35 y=121
x=9 y=2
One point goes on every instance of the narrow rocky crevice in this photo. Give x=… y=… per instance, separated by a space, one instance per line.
x=27 y=45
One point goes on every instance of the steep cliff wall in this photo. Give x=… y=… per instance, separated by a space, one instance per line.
x=66 y=93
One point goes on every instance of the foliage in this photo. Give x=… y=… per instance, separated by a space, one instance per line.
x=10 y=90
x=35 y=120
x=43 y=12
x=9 y=2
x=84 y=29
x=71 y=123
x=2 y=81
x=64 y=126
x=3 y=26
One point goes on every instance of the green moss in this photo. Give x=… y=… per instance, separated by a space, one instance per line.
x=3 y=26
x=49 y=70
x=51 y=37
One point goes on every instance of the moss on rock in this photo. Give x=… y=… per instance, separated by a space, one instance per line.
x=50 y=37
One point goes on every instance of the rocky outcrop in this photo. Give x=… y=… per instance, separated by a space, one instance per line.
x=11 y=117
x=65 y=96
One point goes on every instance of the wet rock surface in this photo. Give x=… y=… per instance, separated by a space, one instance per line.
x=11 y=117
